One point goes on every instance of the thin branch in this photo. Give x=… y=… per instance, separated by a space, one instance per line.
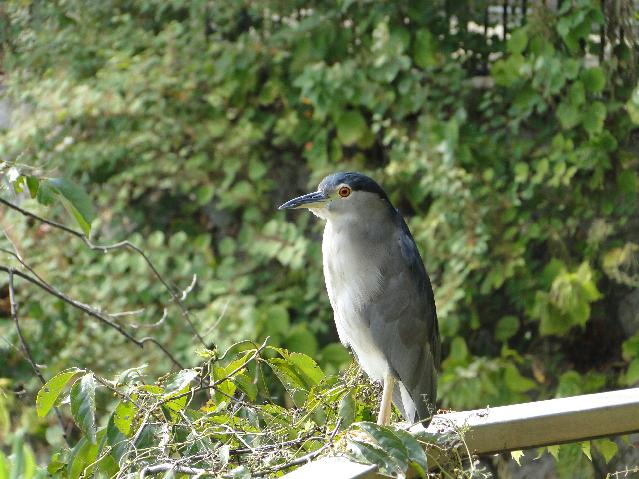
x=26 y=266
x=134 y=439
x=119 y=245
x=86 y=309
x=76 y=304
x=167 y=466
x=107 y=384
x=302 y=459
x=149 y=339
x=159 y=322
x=27 y=351
x=202 y=386
x=270 y=447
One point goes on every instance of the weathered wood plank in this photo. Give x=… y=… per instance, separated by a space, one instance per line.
x=507 y=428
x=542 y=423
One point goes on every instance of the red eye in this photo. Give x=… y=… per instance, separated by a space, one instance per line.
x=344 y=191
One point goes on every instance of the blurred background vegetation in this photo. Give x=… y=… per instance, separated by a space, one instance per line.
x=507 y=134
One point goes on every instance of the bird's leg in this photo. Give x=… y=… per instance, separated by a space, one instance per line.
x=383 y=418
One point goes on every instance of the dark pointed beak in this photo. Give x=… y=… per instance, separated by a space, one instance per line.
x=310 y=200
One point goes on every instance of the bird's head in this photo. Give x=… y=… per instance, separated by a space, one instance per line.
x=338 y=195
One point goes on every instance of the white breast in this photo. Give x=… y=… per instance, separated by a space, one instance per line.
x=352 y=279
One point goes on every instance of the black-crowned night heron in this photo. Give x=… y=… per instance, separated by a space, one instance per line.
x=380 y=292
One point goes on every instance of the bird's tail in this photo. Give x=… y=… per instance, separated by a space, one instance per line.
x=418 y=403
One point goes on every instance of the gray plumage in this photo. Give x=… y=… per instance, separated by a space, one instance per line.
x=379 y=289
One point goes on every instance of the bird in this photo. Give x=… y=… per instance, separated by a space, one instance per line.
x=379 y=290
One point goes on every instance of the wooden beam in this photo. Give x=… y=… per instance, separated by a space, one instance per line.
x=508 y=428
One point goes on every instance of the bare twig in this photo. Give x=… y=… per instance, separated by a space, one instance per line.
x=27 y=351
x=159 y=322
x=302 y=459
x=202 y=386
x=76 y=304
x=270 y=447
x=107 y=384
x=175 y=294
x=86 y=309
x=149 y=339
x=167 y=466
x=137 y=435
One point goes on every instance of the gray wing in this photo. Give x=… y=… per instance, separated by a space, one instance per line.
x=403 y=322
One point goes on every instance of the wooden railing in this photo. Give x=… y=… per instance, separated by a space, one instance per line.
x=509 y=428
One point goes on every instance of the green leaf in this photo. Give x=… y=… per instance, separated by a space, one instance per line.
x=351 y=127
x=291 y=378
x=56 y=463
x=81 y=456
x=607 y=448
x=21 y=462
x=387 y=441
x=425 y=49
x=247 y=385
x=83 y=405
x=371 y=454
x=72 y=197
x=346 y=409
x=417 y=456
x=594 y=79
x=33 y=184
x=335 y=354
x=116 y=440
x=301 y=340
x=123 y=416
x=632 y=106
x=585 y=448
x=632 y=373
x=46 y=193
x=568 y=115
x=518 y=41
x=4 y=466
x=49 y=393
x=570 y=384
x=516 y=456
x=307 y=368
x=77 y=202
x=180 y=380
x=515 y=381
x=627 y=181
x=577 y=94
x=554 y=451
x=593 y=117
x=506 y=72
x=521 y=172
x=572 y=462
x=630 y=347
x=174 y=406
x=506 y=328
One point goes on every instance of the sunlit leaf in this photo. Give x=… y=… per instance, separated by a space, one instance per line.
x=607 y=448
x=123 y=416
x=49 y=393
x=351 y=127
x=368 y=453
x=516 y=456
x=180 y=380
x=83 y=405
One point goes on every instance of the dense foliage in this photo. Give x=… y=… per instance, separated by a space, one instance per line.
x=514 y=160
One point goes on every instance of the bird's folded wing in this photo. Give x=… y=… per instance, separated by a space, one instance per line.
x=403 y=323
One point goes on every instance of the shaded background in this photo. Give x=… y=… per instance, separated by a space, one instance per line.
x=506 y=134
